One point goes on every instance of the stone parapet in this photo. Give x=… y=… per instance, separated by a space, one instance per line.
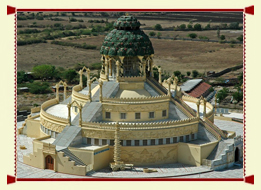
x=132 y=79
x=137 y=99
x=49 y=121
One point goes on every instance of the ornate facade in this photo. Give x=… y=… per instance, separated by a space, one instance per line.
x=125 y=116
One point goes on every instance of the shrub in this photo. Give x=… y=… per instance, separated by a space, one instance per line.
x=189 y=26
x=69 y=75
x=182 y=26
x=39 y=88
x=222 y=94
x=152 y=33
x=43 y=71
x=240 y=38
x=158 y=35
x=222 y=37
x=234 y=25
x=177 y=73
x=197 y=27
x=72 y=19
x=195 y=73
x=192 y=35
x=188 y=73
x=203 y=37
x=238 y=96
x=158 y=27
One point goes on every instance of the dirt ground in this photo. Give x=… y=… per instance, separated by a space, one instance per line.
x=170 y=54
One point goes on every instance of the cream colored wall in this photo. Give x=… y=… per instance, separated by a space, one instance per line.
x=131 y=85
x=189 y=154
x=194 y=154
x=85 y=155
x=131 y=109
x=33 y=128
x=207 y=149
x=37 y=145
x=101 y=160
x=36 y=159
x=147 y=155
x=63 y=165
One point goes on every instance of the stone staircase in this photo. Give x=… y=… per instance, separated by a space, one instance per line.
x=70 y=135
x=217 y=160
x=72 y=157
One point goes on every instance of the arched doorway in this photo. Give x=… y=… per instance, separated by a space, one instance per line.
x=49 y=162
x=236 y=155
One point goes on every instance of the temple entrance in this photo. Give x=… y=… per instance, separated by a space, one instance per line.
x=236 y=155
x=49 y=162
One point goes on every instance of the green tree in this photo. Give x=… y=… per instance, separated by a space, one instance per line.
x=152 y=33
x=39 y=87
x=43 y=71
x=238 y=96
x=222 y=94
x=69 y=75
x=158 y=27
x=222 y=37
x=189 y=26
x=192 y=35
x=197 y=27
x=188 y=73
x=234 y=25
x=158 y=35
x=240 y=38
x=182 y=26
x=177 y=73
x=195 y=73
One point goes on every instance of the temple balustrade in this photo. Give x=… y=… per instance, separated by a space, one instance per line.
x=50 y=121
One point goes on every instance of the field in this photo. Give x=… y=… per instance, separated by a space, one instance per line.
x=170 y=54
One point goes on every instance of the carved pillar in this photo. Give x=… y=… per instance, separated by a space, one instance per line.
x=204 y=112
x=159 y=69
x=69 y=114
x=169 y=84
x=64 y=91
x=106 y=69
x=88 y=75
x=110 y=67
x=100 y=83
x=90 y=90
x=198 y=104
x=80 y=112
x=151 y=68
x=117 y=146
x=80 y=73
x=175 y=83
x=57 y=91
x=144 y=68
x=117 y=70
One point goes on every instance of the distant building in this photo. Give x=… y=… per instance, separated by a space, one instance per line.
x=196 y=88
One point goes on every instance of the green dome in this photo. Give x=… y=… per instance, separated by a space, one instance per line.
x=127 y=39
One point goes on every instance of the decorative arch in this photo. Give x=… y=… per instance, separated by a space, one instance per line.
x=79 y=106
x=88 y=71
x=57 y=90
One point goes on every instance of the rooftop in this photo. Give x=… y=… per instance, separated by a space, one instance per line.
x=190 y=84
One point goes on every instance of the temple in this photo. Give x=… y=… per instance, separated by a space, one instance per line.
x=126 y=117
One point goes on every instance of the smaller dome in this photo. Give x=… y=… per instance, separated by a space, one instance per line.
x=127 y=22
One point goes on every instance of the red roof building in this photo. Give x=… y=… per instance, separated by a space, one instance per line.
x=196 y=88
